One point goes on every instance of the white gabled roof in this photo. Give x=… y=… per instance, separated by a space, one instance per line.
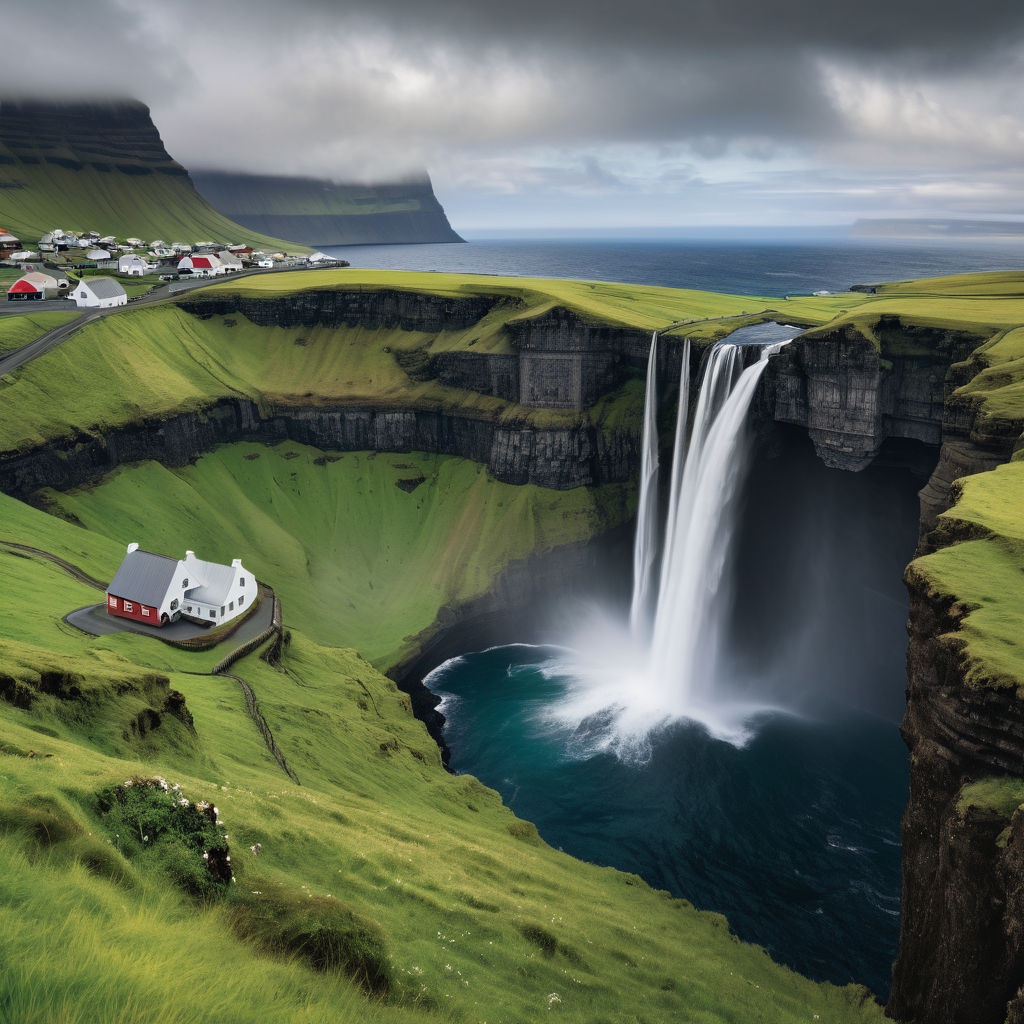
x=103 y=287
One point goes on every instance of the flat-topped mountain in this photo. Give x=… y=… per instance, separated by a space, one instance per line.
x=320 y=212
x=100 y=165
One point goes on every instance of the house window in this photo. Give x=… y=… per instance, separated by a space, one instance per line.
x=127 y=606
x=213 y=613
x=222 y=611
x=241 y=601
x=241 y=581
x=184 y=584
x=189 y=609
x=231 y=606
x=145 y=611
x=112 y=601
x=174 y=605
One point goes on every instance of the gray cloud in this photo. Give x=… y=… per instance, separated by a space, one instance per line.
x=580 y=95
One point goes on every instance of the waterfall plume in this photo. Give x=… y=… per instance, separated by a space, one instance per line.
x=667 y=665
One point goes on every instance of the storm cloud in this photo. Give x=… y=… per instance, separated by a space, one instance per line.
x=680 y=112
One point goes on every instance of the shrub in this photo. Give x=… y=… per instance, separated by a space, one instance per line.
x=324 y=932
x=152 y=818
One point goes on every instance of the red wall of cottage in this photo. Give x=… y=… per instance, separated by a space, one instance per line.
x=138 y=612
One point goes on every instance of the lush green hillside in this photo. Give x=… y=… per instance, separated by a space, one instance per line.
x=17 y=330
x=440 y=530
x=101 y=167
x=442 y=902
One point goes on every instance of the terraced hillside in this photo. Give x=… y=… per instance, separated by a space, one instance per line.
x=102 y=166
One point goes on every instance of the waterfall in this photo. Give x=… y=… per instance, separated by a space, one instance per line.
x=692 y=601
x=668 y=665
x=645 y=542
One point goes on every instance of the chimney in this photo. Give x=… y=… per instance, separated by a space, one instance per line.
x=190 y=556
x=236 y=563
x=132 y=547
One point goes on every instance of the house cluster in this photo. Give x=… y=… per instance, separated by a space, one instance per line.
x=157 y=590
x=131 y=258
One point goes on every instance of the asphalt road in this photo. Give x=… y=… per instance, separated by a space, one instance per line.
x=168 y=290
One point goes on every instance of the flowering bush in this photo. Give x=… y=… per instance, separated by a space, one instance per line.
x=152 y=818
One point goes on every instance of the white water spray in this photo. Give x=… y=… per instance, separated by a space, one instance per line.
x=668 y=666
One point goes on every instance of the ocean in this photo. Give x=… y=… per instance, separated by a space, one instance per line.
x=753 y=266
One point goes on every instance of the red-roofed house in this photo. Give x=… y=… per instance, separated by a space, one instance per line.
x=200 y=266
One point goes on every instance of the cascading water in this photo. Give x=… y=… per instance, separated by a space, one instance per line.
x=668 y=666
x=645 y=544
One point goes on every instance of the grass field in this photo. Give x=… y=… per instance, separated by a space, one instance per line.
x=19 y=329
x=355 y=578
x=642 y=306
x=472 y=916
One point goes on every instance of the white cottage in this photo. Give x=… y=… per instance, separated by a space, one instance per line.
x=132 y=265
x=230 y=262
x=155 y=589
x=99 y=293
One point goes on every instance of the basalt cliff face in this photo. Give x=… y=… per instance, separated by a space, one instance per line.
x=320 y=212
x=961 y=952
x=558 y=362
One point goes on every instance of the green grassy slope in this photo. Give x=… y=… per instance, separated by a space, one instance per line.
x=125 y=205
x=18 y=330
x=362 y=580
x=644 y=306
x=477 y=919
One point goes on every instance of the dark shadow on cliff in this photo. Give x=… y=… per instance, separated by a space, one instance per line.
x=819 y=563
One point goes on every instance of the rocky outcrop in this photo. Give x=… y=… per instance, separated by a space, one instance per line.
x=853 y=393
x=971 y=443
x=560 y=458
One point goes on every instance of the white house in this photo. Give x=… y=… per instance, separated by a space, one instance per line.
x=98 y=254
x=201 y=266
x=156 y=589
x=265 y=261
x=229 y=261
x=132 y=265
x=99 y=293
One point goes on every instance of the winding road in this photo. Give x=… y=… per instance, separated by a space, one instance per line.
x=162 y=293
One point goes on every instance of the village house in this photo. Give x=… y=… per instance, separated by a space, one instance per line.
x=9 y=244
x=229 y=261
x=201 y=266
x=36 y=286
x=132 y=265
x=98 y=254
x=156 y=589
x=99 y=293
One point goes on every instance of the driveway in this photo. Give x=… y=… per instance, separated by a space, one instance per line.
x=94 y=619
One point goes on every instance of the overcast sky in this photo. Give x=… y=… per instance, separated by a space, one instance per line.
x=575 y=113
